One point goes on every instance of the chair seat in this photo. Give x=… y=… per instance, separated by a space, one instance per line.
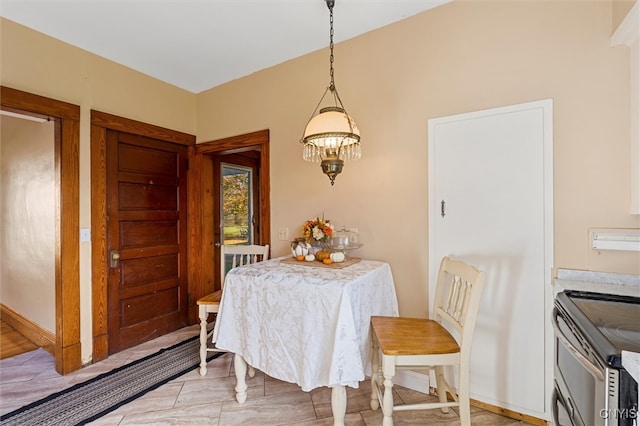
x=211 y=299
x=412 y=336
x=425 y=343
x=210 y=304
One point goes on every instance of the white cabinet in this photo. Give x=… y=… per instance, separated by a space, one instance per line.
x=628 y=34
x=490 y=195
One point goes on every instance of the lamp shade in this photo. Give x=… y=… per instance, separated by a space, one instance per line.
x=330 y=128
x=331 y=133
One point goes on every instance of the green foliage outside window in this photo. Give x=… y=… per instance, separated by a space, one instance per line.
x=236 y=208
x=236 y=199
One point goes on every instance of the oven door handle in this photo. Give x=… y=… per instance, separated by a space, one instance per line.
x=554 y=407
x=591 y=367
x=555 y=400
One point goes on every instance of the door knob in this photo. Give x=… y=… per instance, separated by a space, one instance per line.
x=114 y=258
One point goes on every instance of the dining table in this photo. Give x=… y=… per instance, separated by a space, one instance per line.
x=304 y=322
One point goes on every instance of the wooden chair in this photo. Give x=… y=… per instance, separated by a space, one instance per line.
x=209 y=304
x=426 y=343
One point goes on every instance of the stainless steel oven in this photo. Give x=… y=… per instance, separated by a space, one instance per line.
x=592 y=388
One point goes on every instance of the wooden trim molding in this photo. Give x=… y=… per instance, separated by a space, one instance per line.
x=67 y=258
x=29 y=329
x=67 y=163
x=195 y=189
x=100 y=123
x=113 y=122
x=258 y=140
x=99 y=260
x=23 y=101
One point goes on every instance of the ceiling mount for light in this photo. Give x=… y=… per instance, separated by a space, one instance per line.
x=331 y=136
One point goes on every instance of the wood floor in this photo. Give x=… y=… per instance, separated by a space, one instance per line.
x=13 y=343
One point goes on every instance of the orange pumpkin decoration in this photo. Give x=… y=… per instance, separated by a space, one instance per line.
x=322 y=255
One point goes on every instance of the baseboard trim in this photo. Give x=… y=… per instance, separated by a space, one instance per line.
x=508 y=413
x=413 y=380
x=29 y=329
x=420 y=382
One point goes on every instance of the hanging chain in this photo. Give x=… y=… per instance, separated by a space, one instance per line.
x=332 y=85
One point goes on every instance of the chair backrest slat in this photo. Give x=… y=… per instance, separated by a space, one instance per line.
x=457 y=297
x=242 y=255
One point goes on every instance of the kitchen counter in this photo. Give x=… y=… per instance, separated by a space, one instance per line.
x=598 y=282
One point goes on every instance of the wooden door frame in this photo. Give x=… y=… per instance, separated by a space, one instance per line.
x=100 y=123
x=258 y=140
x=68 y=356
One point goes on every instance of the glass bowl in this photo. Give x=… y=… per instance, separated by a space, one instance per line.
x=344 y=239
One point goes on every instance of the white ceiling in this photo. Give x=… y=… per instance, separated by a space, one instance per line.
x=199 y=44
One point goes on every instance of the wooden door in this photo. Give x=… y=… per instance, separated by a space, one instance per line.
x=490 y=188
x=146 y=238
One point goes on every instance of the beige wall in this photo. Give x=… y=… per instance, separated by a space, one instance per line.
x=620 y=9
x=461 y=57
x=42 y=65
x=27 y=219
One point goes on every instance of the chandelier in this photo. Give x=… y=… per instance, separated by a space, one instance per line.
x=331 y=136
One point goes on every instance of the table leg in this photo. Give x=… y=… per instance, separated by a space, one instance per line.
x=203 y=340
x=240 y=368
x=338 y=404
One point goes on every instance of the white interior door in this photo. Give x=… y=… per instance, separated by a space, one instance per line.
x=491 y=205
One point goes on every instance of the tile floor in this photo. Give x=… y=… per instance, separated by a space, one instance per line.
x=210 y=400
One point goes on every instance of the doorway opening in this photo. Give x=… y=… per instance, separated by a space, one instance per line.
x=231 y=204
x=67 y=194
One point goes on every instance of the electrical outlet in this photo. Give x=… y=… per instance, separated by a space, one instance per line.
x=283 y=234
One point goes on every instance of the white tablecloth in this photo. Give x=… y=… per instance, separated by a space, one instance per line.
x=302 y=324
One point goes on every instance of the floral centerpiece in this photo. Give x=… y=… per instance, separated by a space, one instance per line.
x=319 y=230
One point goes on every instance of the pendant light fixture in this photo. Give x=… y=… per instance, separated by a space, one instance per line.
x=331 y=136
